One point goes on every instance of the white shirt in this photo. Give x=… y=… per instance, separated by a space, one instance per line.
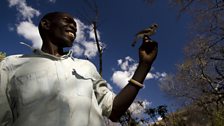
x=44 y=90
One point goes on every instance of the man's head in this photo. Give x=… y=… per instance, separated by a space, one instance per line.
x=58 y=28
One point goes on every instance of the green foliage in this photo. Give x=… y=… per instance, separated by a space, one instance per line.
x=2 y=55
x=219 y=118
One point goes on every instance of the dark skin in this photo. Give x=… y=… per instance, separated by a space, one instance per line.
x=58 y=34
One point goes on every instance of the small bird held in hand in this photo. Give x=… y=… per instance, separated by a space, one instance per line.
x=148 y=32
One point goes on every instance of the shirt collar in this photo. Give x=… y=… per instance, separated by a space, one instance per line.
x=40 y=52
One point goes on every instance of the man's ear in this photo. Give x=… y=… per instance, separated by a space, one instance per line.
x=45 y=24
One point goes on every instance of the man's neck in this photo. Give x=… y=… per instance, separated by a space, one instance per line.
x=52 y=49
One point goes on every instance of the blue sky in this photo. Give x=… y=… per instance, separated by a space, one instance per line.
x=118 y=22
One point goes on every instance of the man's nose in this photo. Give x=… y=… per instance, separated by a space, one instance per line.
x=73 y=27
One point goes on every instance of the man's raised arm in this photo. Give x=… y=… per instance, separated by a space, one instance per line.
x=147 y=54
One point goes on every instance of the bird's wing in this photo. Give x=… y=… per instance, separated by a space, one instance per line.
x=134 y=41
x=144 y=31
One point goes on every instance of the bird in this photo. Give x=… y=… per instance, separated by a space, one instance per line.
x=146 y=32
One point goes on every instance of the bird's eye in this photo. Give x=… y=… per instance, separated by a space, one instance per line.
x=155 y=25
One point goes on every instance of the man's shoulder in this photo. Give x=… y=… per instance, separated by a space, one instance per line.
x=15 y=59
x=84 y=65
x=11 y=58
x=17 y=56
x=83 y=62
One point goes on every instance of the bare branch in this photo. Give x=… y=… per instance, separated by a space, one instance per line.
x=98 y=47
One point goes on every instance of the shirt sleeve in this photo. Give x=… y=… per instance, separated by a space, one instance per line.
x=104 y=95
x=5 y=111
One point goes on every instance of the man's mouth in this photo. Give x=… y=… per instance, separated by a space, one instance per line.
x=71 y=34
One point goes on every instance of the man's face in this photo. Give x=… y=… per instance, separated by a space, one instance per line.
x=62 y=30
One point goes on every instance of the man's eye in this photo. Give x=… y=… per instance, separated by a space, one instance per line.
x=65 y=19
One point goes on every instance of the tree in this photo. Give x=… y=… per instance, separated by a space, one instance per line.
x=199 y=79
x=162 y=111
x=144 y=115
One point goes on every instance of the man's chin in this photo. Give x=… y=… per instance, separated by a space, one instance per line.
x=69 y=43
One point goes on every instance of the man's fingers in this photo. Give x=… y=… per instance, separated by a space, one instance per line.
x=149 y=45
x=146 y=38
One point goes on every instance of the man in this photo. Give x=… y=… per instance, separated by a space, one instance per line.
x=50 y=88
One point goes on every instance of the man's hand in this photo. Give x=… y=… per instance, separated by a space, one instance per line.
x=147 y=51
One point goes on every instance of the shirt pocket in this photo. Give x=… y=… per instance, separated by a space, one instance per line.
x=32 y=87
x=83 y=84
x=84 y=88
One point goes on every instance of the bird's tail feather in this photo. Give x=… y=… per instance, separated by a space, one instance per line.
x=134 y=42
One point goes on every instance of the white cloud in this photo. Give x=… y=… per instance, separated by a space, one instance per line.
x=14 y=2
x=119 y=61
x=80 y=34
x=90 y=49
x=78 y=51
x=26 y=28
x=26 y=11
x=92 y=35
x=120 y=78
x=11 y=28
x=163 y=74
x=137 y=109
x=125 y=64
x=127 y=67
x=156 y=75
x=85 y=40
x=30 y=32
x=159 y=118
x=149 y=76
x=52 y=1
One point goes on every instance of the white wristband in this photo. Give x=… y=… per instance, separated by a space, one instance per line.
x=136 y=83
